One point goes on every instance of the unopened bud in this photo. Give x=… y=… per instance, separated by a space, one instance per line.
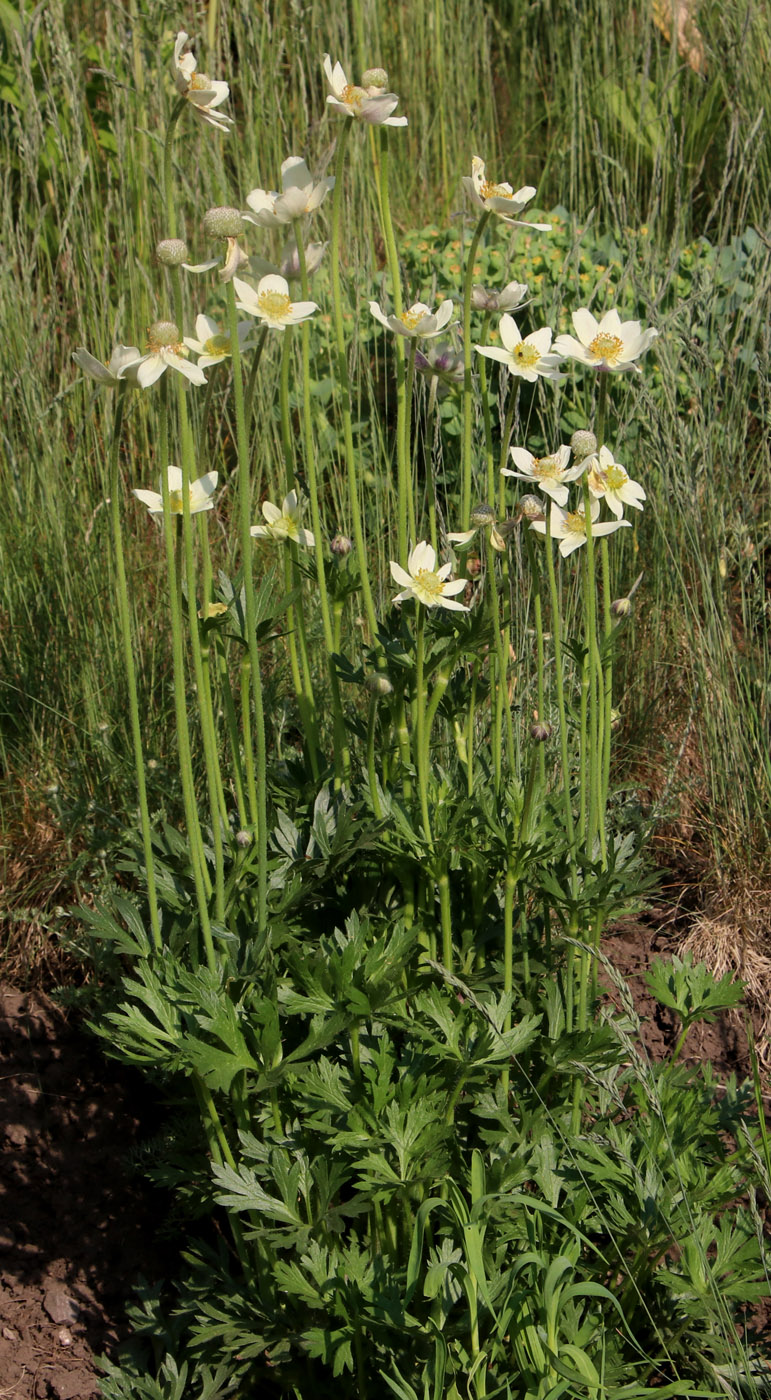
x=482 y=515
x=222 y=223
x=378 y=684
x=531 y=507
x=243 y=839
x=540 y=731
x=171 y=252
x=473 y=567
x=621 y=607
x=375 y=78
x=583 y=443
x=162 y=333
x=340 y=546
x=615 y=719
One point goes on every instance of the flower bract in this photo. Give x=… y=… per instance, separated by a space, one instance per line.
x=569 y=526
x=609 y=481
x=271 y=302
x=201 y=492
x=608 y=344
x=283 y=524
x=202 y=92
x=428 y=585
x=299 y=196
x=499 y=199
x=551 y=473
x=528 y=358
x=369 y=104
x=419 y=322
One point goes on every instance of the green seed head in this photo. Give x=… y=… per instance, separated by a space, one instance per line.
x=162 y=333
x=482 y=515
x=222 y=223
x=171 y=252
x=583 y=443
x=375 y=78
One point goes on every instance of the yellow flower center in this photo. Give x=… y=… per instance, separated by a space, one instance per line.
x=526 y=355
x=156 y=346
x=615 y=477
x=411 y=318
x=490 y=190
x=575 y=522
x=217 y=345
x=606 y=347
x=175 y=500
x=353 y=96
x=199 y=82
x=275 y=304
x=546 y=467
x=427 y=581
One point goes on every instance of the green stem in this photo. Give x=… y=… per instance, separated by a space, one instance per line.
x=296 y=636
x=556 y=628
x=466 y=458
x=420 y=725
x=168 y=174
x=406 y=508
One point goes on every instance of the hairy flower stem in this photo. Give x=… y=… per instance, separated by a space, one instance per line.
x=168 y=173
x=296 y=636
x=593 y=829
x=607 y=625
x=344 y=386
x=231 y=724
x=466 y=457
x=556 y=629
x=371 y=769
x=256 y=773
x=341 y=746
x=405 y=503
x=421 y=747
x=532 y=560
x=124 y=614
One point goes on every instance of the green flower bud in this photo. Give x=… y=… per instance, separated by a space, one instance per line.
x=583 y=443
x=222 y=223
x=171 y=252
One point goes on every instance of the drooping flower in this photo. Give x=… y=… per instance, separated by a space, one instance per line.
x=165 y=350
x=569 y=526
x=200 y=493
x=608 y=344
x=271 y=302
x=418 y=322
x=116 y=369
x=202 y=92
x=551 y=473
x=283 y=524
x=506 y=299
x=212 y=345
x=441 y=364
x=370 y=103
x=269 y=209
x=499 y=199
x=482 y=518
x=609 y=481
x=289 y=266
x=428 y=585
x=527 y=358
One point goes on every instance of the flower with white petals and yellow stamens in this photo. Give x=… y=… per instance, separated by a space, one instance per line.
x=200 y=494
x=165 y=350
x=425 y=583
x=212 y=345
x=269 y=209
x=499 y=199
x=528 y=358
x=271 y=302
x=610 y=482
x=418 y=322
x=283 y=524
x=202 y=92
x=120 y=367
x=569 y=526
x=609 y=344
x=551 y=473
x=369 y=103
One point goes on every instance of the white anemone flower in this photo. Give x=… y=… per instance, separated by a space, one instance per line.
x=271 y=302
x=369 y=104
x=165 y=350
x=115 y=371
x=427 y=584
x=269 y=209
x=569 y=526
x=527 y=358
x=499 y=199
x=283 y=524
x=202 y=92
x=609 y=481
x=200 y=493
x=506 y=299
x=212 y=345
x=551 y=473
x=609 y=344
x=418 y=322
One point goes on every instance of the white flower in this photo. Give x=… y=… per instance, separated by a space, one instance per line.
x=202 y=92
x=165 y=350
x=212 y=345
x=528 y=358
x=300 y=196
x=569 y=526
x=419 y=322
x=510 y=296
x=550 y=473
x=609 y=481
x=115 y=371
x=609 y=344
x=283 y=524
x=271 y=302
x=499 y=199
x=369 y=104
x=200 y=493
x=425 y=582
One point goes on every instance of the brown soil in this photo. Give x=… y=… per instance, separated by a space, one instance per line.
x=77 y=1227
